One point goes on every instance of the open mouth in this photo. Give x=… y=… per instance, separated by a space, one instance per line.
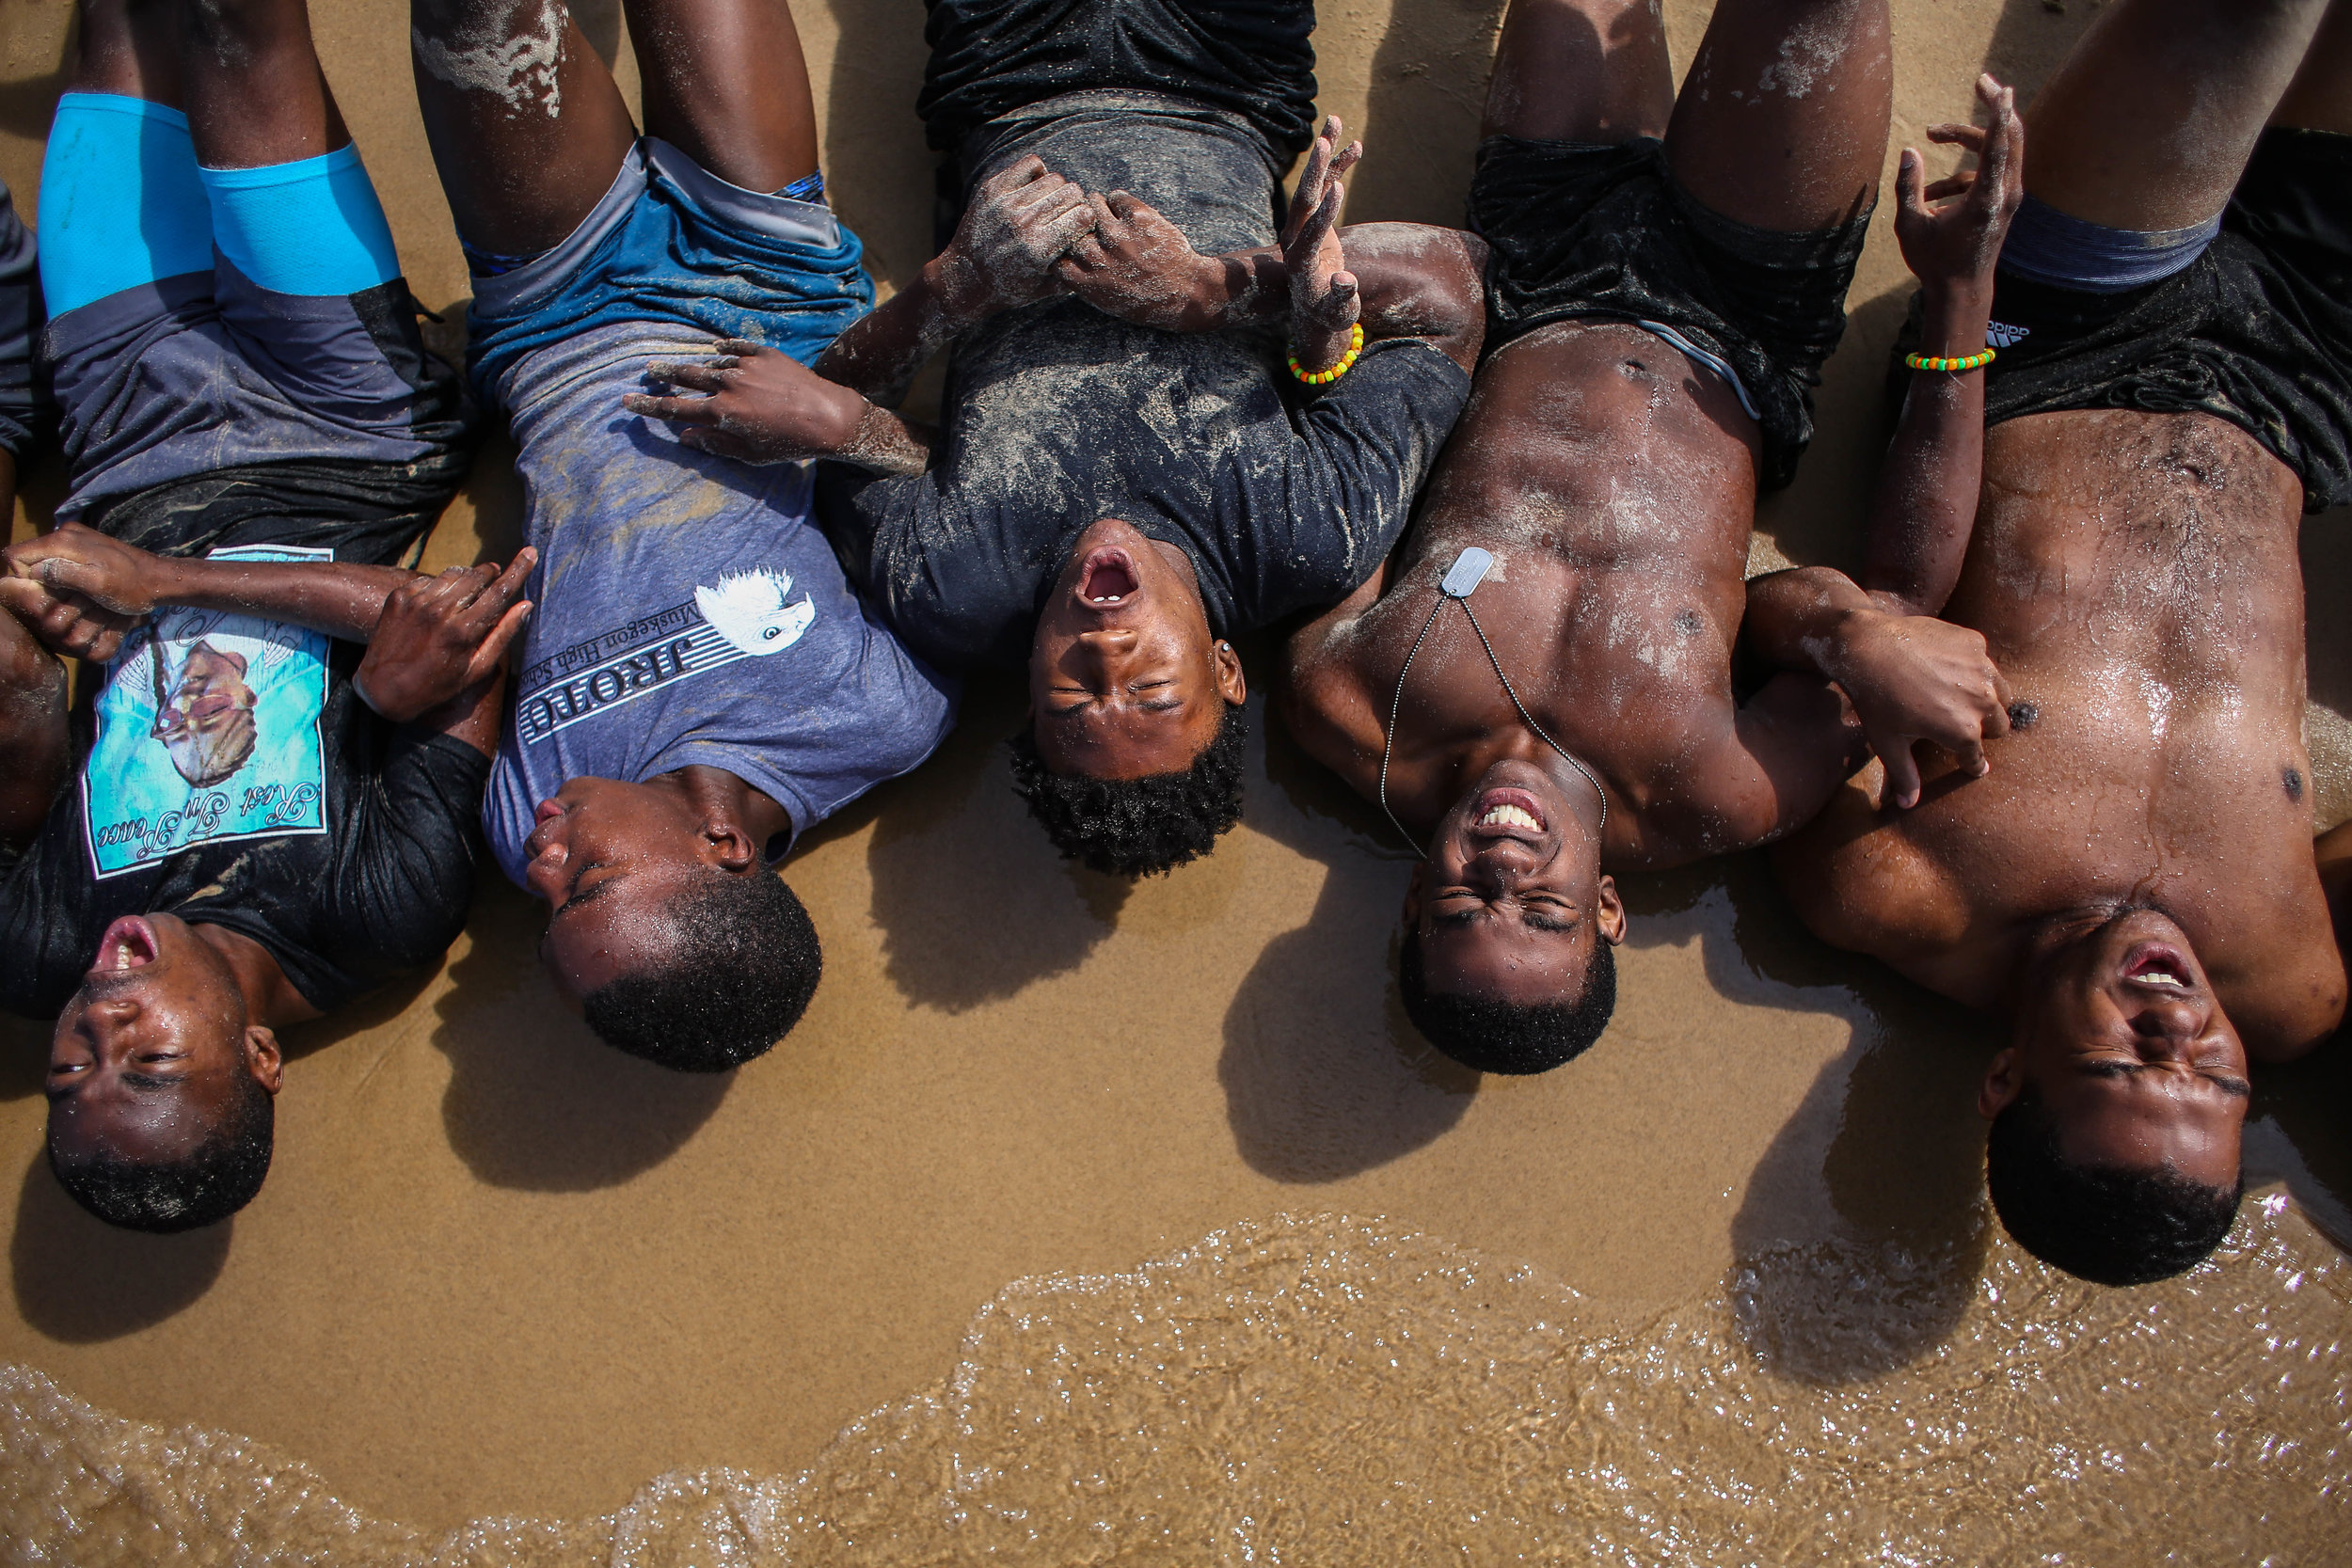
x=1107 y=580
x=2154 y=964
x=1507 y=814
x=129 y=943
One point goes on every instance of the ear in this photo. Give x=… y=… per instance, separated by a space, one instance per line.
x=1608 y=913
x=2004 y=1081
x=1412 y=897
x=1230 y=682
x=727 y=845
x=262 y=1059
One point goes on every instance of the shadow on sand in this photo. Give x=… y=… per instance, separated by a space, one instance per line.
x=81 y=1280
x=1324 y=1077
x=973 y=903
x=1861 y=1235
x=535 y=1101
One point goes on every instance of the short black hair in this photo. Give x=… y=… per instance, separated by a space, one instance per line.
x=739 y=974
x=220 y=1178
x=2112 y=1225
x=1137 y=826
x=1507 y=1037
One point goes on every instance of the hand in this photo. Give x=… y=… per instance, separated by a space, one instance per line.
x=1913 y=679
x=67 y=625
x=1955 y=243
x=438 y=637
x=1022 y=220
x=74 y=561
x=1135 y=264
x=759 y=405
x=1324 y=301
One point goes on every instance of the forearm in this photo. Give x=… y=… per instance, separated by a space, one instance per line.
x=1925 y=507
x=472 y=716
x=339 y=598
x=878 y=356
x=33 y=730
x=1796 y=619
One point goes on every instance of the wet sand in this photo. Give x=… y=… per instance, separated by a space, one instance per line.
x=500 y=1270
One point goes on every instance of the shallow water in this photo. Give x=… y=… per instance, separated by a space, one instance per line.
x=1322 y=1390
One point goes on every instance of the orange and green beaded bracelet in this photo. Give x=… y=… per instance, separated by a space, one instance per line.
x=1347 y=361
x=1934 y=362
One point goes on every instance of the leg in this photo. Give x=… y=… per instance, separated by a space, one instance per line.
x=255 y=95
x=1782 y=123
x=2149 y=123
x=2321 y=97
x=129 y=48
x=1580 y=71
x=122 y=204
x=525 y=126
x=726 y=84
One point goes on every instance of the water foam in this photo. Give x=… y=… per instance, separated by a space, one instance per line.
x=1325 y=1390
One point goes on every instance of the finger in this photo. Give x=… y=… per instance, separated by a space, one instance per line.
x=1346 y=158
x=1070 y=272
x=1317 y=225
x=491 y=652
x=74 y=577
x=1124 y=206
x=696 y=378
x=1902 y=776
x=1067 y=229
x=1951 y=185
x=501 y=592
x=2001 y=695
x=1019 y=172
x=741 y=348
x=2001 y=143
x=702 y=411
x=1088 y=252
x=1953 y=133
x=1907 y=197
x=1971 y=754
x=25 y=598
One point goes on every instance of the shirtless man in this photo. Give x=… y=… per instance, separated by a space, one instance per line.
x=2133 y=885
x=1124 y=479
x=1662 y=309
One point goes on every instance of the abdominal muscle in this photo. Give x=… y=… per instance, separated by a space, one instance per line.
x=1613 y=480
x=2136 y=577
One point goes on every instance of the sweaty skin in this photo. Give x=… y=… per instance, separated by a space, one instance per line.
x=2135 y=576
x=1613 y=482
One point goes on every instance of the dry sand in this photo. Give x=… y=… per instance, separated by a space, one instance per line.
x=501 y=1269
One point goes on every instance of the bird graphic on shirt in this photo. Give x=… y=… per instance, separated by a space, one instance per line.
x=748 y=610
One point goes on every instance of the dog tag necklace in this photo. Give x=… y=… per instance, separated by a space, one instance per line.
x=1461 y=578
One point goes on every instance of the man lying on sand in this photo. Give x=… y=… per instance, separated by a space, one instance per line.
x=252 y=824
x=699 y=685
x=1539 y=683
x=2133 y=884
x=1126 y=478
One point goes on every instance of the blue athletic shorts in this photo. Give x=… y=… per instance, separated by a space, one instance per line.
x=204 y=319
x=673 y=244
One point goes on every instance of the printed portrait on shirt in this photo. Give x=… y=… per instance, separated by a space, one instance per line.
x=208 y=729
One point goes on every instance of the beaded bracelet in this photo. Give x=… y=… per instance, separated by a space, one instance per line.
x=1347 y=360
x=1931 y=362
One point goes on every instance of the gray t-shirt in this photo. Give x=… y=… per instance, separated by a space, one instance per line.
x=687 y=613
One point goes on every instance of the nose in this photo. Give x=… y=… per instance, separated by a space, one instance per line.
x=1499 y=865
x=1100 y=652
x=2167 y=1027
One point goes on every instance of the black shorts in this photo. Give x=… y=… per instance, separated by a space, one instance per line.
x=2257 y=330
x=373 y=513
x=1248 y=57
x=1582 y=231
